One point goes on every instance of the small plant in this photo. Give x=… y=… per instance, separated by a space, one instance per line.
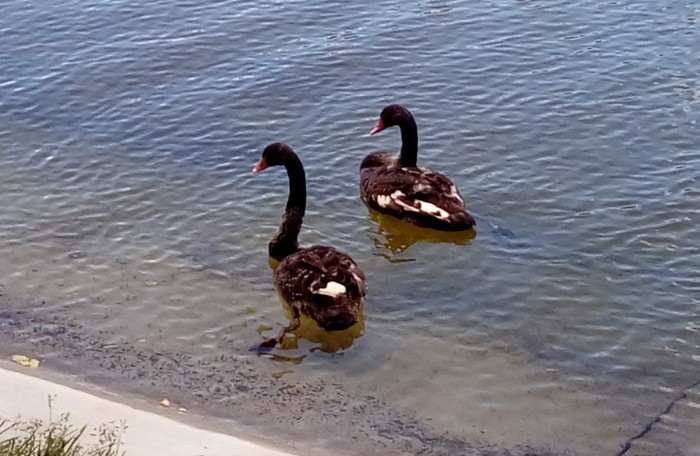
x=57 y=438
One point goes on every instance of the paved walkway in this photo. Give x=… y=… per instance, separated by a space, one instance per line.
x=147 y=433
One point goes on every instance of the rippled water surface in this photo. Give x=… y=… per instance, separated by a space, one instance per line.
x=134 y=236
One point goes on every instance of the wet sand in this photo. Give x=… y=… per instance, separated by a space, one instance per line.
x=233 y=394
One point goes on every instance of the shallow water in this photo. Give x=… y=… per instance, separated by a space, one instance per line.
x=134 y=236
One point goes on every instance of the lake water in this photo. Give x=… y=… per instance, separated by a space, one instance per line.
x=133 y=235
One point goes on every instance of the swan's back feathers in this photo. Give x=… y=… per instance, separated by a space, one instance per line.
x=324 y=284
x=421 y=196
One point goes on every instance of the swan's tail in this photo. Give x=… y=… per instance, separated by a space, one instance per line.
x=461 y=221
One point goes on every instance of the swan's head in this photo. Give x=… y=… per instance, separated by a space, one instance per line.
x=390 y=116
x=274 y=155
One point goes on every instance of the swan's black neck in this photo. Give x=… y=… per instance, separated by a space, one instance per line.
x=297 y=183
x=285 y=241
x=409 y=141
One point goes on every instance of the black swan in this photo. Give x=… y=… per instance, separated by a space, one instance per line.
x=394 y=185
x=320 y=282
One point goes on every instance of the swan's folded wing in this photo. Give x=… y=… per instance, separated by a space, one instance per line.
x=413 y=190
x=320 y=272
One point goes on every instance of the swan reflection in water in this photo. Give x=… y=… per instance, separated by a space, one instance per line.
x=394 y=236
x=290 y=344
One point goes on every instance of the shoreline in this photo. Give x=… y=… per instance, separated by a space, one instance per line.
x=147 y=432
x=316 y=417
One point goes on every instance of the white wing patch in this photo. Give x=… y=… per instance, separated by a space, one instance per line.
x=386 y=200
x=432 y=209
x=418 y=188
x=417 y=206
x=332 y=289
x=383 y=200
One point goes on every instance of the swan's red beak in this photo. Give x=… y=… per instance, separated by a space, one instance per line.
x=260 y=166
x=377 y=128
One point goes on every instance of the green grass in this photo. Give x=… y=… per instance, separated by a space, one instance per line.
x=58 y=438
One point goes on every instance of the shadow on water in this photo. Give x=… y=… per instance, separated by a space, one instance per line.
x=394 y=236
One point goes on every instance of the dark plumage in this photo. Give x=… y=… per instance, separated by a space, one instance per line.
x=394 y=185
x=319 y=282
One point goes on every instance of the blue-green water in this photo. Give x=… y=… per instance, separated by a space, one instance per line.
x=133 y=235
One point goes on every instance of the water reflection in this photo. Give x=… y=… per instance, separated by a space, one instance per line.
x=394 y=236
x=295 y=344
x=296 y=341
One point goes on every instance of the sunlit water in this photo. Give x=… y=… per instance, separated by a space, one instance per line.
x=134 y=236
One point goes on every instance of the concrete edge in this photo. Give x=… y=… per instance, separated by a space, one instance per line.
x=25 y=396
